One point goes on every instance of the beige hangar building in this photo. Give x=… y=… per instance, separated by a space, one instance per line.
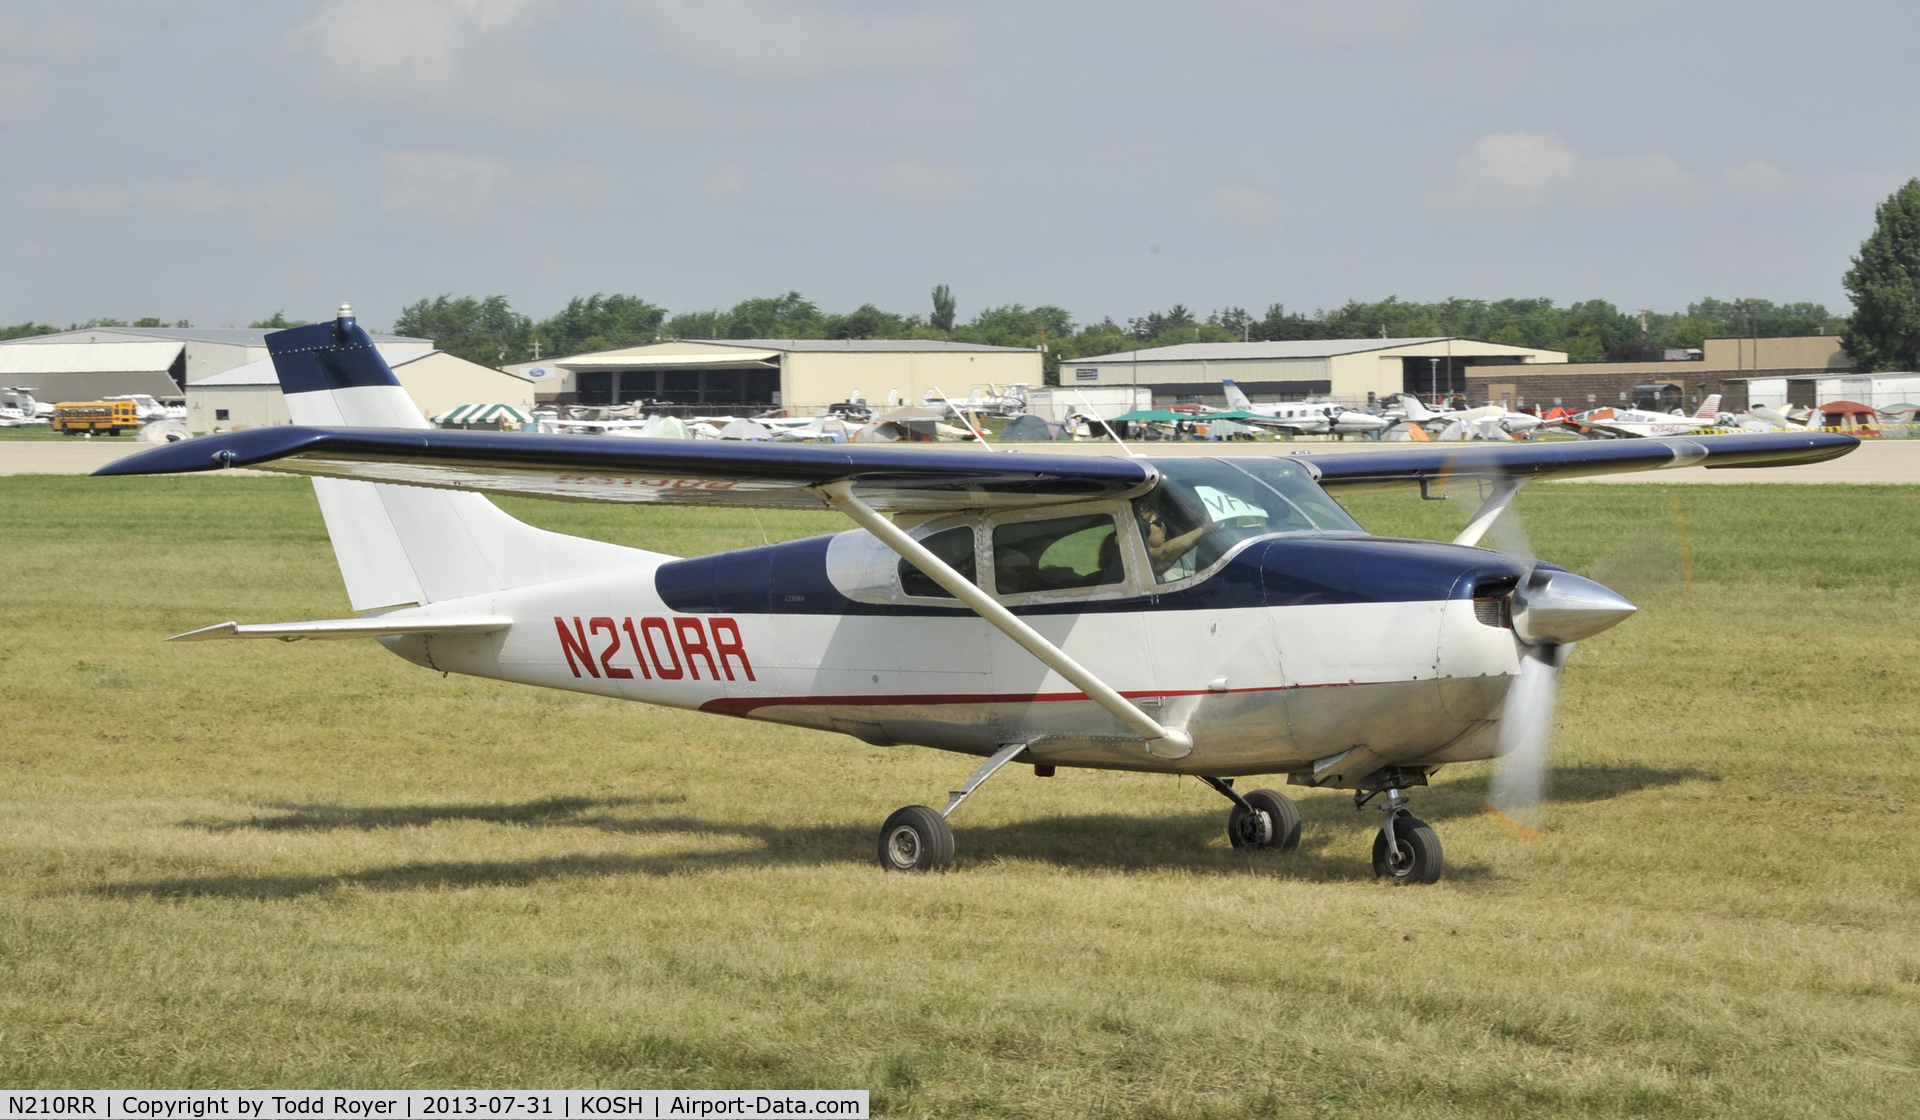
x=162 y=362
x=801 y=376
x=1353 y=369
x=249 y=396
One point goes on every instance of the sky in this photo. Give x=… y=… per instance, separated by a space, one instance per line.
x=218 y=162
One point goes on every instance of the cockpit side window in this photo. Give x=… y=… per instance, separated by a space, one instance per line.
x=1057 y=554
x=955 y=547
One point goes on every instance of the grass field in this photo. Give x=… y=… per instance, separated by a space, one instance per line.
x=256 y=865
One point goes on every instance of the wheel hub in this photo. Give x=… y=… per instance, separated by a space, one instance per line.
x=903 y=847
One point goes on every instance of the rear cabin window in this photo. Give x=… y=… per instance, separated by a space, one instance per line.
x=1059 y=554
x=955 y=547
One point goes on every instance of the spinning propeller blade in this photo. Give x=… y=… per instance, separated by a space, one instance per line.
x=1551 y=610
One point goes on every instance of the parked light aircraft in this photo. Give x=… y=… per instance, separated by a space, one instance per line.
x=1762 y=418
x=1639 y=422
x=1217 y=617
x=1304 y=418
x=1473 y=420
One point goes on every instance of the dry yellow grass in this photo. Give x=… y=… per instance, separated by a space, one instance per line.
x=262 y=865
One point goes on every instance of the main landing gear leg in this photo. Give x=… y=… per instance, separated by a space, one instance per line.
x=917 y=839
x=1407 y=850
x=1264 y=818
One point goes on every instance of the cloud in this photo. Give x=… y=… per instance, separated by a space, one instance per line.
x=1518 y=170
x=757 y=38
x=402 y=45
x=1243 y=205
x=439 y=182
x=1508 y=170
x=904 y=182
x=1655 y=177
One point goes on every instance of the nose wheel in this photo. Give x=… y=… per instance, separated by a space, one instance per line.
x=1406 y=850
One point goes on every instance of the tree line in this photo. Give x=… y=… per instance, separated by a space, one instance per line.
x=1883 y=333
x=488 y=330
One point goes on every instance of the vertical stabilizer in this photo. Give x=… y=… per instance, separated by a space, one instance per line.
x=1236 y=400
x=400 y=545
x=1416 y=412
x=1709 y=409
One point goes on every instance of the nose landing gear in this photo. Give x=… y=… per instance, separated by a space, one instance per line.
x=1407 y=850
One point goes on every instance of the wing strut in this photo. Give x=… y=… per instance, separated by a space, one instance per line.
x=1163 y=742
x=1504 y=493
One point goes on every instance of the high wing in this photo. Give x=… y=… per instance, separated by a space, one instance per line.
x=683 y=472
x=913 y=480
x=1433 y=465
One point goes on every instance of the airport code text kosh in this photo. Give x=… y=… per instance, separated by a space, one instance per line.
x=366 y=1103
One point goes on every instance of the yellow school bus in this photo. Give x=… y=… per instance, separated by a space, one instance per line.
x=112 y=417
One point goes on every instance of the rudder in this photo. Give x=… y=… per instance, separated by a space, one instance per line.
x=402 y=545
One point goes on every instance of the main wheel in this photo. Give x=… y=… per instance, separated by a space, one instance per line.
x=1416 y=856
x=916 y=838
x=1274 y=823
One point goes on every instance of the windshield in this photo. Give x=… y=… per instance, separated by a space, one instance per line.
x=1203 y=507
x=1297 y=484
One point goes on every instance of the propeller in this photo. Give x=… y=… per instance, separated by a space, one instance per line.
x=1551 y=609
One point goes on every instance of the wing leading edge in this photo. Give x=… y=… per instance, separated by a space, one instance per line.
x=908 y=479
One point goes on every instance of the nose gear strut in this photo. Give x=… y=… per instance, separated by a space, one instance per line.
x=1407 y=850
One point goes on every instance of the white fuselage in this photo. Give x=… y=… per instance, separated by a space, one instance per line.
x=1261 y=689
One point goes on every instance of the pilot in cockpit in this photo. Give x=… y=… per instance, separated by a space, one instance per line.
x=1170 y=554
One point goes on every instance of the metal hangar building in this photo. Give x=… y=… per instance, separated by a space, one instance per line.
x=798 y=375
x=87 y=364
x=1354 y=369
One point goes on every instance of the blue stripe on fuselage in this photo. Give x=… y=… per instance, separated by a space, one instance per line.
x=1292 y=570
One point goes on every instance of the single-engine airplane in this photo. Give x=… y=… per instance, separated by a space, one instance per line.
x=1631 y=423
x=1217 y=617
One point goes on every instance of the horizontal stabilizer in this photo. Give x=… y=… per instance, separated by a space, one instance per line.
x=337 y=628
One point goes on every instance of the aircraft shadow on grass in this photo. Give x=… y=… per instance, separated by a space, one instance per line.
x=328 y=818
x=1333 y=846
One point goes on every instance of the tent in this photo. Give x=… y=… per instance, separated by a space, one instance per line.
x=1151 y=416
x=656 y=427
x=1239 y=414
x=1027 y=429
x=746 y=429
x=1847 y=414
x=500 y=417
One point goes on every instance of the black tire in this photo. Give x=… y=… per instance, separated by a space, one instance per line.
x=1418 y=858
x=1282 y=826
x=916 y=838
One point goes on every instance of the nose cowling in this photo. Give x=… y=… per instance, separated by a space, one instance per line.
x=1552 y=608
